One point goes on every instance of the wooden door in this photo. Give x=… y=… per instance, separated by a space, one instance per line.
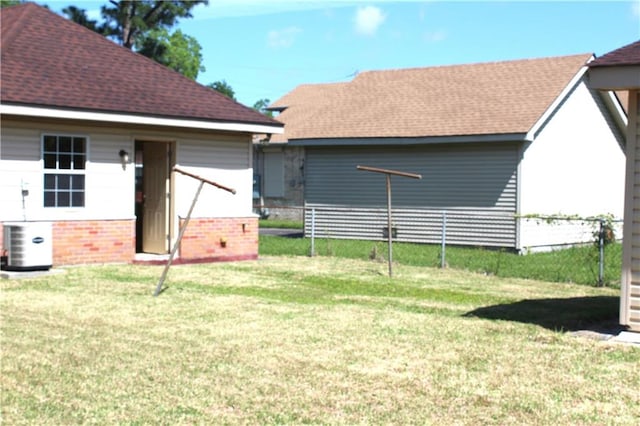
x=155 y=222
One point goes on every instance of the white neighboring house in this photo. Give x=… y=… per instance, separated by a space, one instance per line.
x=494 y=142
x=620 y=70
x=92 y=131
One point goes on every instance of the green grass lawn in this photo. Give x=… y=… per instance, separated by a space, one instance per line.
x=575 y=265
x=281 y=223
x=299 y=340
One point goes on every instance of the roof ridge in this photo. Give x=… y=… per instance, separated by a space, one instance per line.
x=471 y=64
x=15 y=29
x=509 y=97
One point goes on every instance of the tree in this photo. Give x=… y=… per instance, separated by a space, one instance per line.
x=143 y=26
x=223 y=87
x=261 y=106
x=178 y=51
x=79 y=16
x=5 y=3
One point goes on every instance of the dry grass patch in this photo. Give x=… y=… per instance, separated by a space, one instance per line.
x=298 y=340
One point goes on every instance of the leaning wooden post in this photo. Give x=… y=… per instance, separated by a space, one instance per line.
x=186 y=222
x=389 y=221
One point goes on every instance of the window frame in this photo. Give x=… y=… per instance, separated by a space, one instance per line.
x=57 y=171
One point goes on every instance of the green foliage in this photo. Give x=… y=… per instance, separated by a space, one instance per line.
x=178 y=51
x=5 y=3
x=223 y=87
x=261 y=106
x=604 y=223
x=572 y=265
x=143 y=26
x=79 y=16
x=129 y=22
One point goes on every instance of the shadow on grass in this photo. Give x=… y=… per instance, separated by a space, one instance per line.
x=597 y=313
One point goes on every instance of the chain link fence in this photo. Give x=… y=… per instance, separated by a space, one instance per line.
x=579 y=249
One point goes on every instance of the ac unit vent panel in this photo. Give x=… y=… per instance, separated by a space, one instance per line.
x=29 y=246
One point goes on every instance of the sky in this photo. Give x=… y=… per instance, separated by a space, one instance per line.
x=265 y=48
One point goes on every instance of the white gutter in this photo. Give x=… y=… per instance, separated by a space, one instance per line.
x=29 y=111
x=614 y=102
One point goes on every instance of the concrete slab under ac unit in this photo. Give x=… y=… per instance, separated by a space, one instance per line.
x=13 y=275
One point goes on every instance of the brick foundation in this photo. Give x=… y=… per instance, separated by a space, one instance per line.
x=219 y=239
x=114 y=241
x=99 y=241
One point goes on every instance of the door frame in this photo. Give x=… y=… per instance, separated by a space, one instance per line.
x=139 y=186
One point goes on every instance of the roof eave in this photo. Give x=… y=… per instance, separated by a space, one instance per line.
x=124 y=118
x=623 y=77
x=396 y=141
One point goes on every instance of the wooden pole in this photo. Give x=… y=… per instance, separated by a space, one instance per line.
x=210 y=182
x=389 y=232
x=177 y=243
x=388 y=173
x=186 y=222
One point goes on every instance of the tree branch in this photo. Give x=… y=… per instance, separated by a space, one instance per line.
x=152 y=11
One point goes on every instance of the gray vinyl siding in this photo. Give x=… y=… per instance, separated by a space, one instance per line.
x=476 y=184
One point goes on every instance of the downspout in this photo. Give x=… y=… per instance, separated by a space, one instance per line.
x=263 y=211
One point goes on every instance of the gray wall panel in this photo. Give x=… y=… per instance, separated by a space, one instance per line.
x=475 y=183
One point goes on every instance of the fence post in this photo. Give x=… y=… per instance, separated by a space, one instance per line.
x=313 y=231
x=443 y=261
x=601 y=257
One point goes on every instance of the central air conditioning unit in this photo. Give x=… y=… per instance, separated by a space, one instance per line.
x=27 y=246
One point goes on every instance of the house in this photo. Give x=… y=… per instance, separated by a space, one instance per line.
x=90 y=133
x=620 y=70
x=494 y=143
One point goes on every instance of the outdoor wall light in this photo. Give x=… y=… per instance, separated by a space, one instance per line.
x=124 y=158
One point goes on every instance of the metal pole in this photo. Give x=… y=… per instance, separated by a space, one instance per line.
x=601 y=257
x=443 y=262
x=313 y=232
x=389 y=233
x=177 y=243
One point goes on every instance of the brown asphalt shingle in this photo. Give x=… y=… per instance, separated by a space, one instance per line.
x=626 y=55
x=475 y=99
x=49 y=61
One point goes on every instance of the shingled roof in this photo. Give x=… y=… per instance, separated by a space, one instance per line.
x=51 y=62
x=462 y=100
x=626 y=55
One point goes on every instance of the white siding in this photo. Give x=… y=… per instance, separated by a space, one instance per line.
x=225 y=160
x=575 y=166
x=109 y=188
x=19 y=165
x=630 y=289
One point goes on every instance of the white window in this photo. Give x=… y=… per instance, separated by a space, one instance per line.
x=64 y=159
x=273 y=174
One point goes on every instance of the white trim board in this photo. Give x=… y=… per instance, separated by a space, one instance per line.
x=29 y=111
